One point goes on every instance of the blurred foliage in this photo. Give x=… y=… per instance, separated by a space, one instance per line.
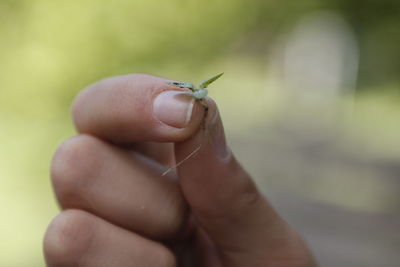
x=49 y=50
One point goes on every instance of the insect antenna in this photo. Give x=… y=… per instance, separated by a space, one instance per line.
x=194 y=152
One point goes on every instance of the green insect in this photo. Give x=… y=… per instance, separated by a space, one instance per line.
x=200 y=91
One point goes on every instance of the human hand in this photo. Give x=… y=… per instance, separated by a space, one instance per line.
x=118 y=208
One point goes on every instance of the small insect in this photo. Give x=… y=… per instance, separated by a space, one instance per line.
x=200 y=91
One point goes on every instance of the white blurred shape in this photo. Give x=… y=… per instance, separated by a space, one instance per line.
x=320 y=58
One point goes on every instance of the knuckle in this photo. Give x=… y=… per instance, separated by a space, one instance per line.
x=73 y=166
x=249 y=195
x=67 y=238
x=241 y=198
x=75 y=108
x=79 y=106
x=245 y=195
x=175 y=211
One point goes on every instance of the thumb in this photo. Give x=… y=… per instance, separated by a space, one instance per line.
x=227 y=205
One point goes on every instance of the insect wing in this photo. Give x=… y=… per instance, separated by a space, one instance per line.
x=207 y=82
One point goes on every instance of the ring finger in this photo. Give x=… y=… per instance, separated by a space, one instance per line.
x=78 y=238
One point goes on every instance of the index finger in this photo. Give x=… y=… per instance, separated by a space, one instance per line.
x=136 y=108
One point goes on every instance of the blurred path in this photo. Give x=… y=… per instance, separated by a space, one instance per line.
x=344 y=201
x=340 y=237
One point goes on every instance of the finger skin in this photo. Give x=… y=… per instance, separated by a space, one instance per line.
x=238 y=220
x=124 y=188
x=77 y=238
x=228 y=206
x=120 y=109
x=162 y=153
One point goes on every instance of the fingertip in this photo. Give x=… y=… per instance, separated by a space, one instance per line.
x=136 y=108
x=213 y=135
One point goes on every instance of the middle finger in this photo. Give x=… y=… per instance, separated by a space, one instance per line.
x=122 y=187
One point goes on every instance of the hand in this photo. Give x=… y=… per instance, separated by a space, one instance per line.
x=118 y=208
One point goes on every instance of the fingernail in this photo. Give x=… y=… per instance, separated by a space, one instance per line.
x=174 y=108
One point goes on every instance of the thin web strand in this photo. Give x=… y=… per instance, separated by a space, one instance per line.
x=182 y=161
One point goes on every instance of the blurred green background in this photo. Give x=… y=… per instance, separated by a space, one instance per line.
x=341 y=150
